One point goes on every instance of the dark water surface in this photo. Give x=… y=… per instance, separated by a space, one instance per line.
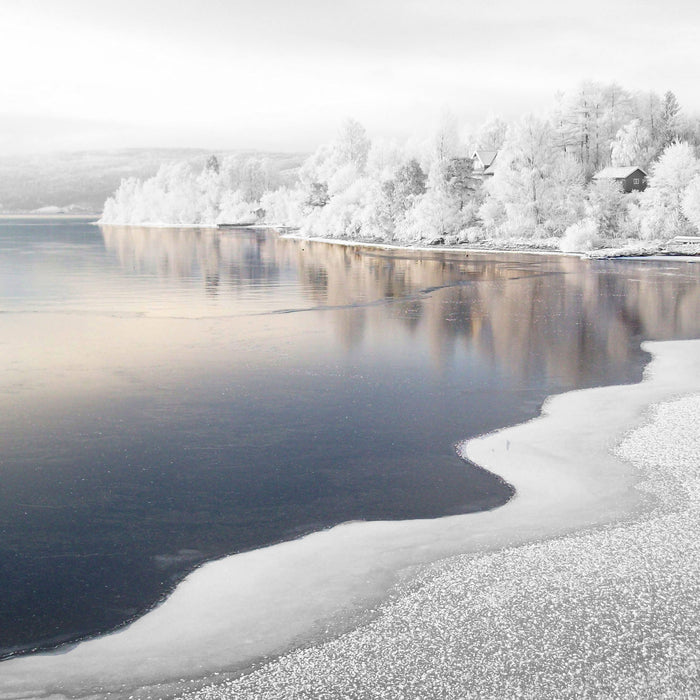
x=171 y=396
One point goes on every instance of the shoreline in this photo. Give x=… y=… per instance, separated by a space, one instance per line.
x=220 y=618
x=284 y=232
x=607 y=612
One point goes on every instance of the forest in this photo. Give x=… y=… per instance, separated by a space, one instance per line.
x=542 y=193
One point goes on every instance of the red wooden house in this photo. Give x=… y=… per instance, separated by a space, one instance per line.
x=630 y=177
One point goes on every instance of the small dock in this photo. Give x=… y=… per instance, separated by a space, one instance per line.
x=242 y=224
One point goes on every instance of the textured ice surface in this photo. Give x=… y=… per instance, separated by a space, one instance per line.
x=613 y=612
x=529 y=609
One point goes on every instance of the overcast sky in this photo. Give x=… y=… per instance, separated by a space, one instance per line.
x=282 y=74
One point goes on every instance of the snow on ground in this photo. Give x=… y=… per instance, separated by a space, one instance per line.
x=613 y=612
x=582 y=585
x=632 y=248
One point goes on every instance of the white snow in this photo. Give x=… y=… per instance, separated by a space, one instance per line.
x=581 y=581
x=609 y=613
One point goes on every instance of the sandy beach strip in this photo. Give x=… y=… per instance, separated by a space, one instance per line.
x=553 y=591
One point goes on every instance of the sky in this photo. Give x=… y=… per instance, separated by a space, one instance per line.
x=282 y=75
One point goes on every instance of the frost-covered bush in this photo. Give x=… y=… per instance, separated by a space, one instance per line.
x=581 y=237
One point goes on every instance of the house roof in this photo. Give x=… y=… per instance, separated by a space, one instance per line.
x=617 y=173
x=486 y=157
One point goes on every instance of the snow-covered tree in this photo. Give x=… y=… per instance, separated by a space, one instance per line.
x=351 y=213
x=491 y=134
x=401 y=191
x=618 y=109
x=283 y=206
x=691 y=202
x=662 y=201
x=334 y=167
x=607 y=206
x=384 y=159
x=410 y=180
x=632 y=145
x=235 y=209
x=353 y=144
x=188 y=193
x=213 y=164
x=670 y=118
x=586 y=121
x=432 y=215
x=254 y=179
x=445 y=142
x=460 y=181
x=647 y=108
x=531 y=176
x=317 y=194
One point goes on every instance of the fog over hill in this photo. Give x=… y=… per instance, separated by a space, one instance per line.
x=81 y=181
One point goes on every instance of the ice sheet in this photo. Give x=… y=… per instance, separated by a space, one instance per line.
x=238 y=610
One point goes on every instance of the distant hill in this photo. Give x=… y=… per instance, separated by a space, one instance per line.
x=81 y=181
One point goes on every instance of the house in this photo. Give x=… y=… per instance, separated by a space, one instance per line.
x=482 y=163
x=631 y=177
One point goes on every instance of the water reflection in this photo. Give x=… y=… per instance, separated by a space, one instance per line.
x=551 y=316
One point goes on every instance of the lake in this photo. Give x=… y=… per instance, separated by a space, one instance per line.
x=170 y=396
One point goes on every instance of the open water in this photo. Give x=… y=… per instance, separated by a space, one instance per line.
x=168 y=397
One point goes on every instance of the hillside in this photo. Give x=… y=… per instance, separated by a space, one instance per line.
x=81 y=181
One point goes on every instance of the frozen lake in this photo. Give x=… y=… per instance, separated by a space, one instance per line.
x=172 y=396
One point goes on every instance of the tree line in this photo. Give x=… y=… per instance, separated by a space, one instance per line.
x=425 y=190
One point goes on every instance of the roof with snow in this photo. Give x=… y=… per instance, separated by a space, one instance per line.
x=618 y=173
x=486 y=157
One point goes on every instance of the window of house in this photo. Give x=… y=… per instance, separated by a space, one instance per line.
x=635 y=181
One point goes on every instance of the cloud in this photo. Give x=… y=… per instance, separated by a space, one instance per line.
x=270 y=73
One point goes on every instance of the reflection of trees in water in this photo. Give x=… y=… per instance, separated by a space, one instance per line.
x=562 y=318
x=583 y=321
x=218 y=258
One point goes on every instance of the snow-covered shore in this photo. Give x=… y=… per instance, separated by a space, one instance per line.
x=689 y=252
x=492 y=621
x=608 y=613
